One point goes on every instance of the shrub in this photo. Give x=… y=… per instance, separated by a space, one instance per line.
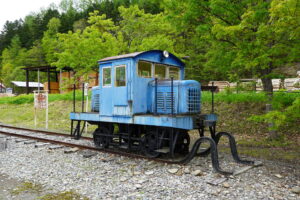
x=279 y=118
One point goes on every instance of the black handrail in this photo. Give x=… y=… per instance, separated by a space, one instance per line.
x=155 y=111
x=212 y=100
x=172 y=98
x=74 y=89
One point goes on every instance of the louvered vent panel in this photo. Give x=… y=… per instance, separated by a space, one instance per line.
x=96 y=105
x=164 y=102
x=160 y=101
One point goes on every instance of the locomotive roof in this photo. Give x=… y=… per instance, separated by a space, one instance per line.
x=129 y=55
x=132 y=55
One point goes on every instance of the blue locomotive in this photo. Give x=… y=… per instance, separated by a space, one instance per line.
x=143 y=103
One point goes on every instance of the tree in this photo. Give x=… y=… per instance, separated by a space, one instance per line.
x=144 y=31
x=192 y=25
x=35 y=56
x=10 y=30
x=12 y=59
x=82 y=50
x=266 y=37
x=137 y=31
x=235 y=39
x=50 y=43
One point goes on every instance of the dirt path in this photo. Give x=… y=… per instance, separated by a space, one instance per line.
x=7 y=185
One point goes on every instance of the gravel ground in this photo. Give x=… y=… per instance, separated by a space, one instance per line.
x=105 y=176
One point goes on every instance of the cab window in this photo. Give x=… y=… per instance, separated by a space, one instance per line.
x=160 y=71
x=106 y=76
x=174 y=72
x=120 y=76
x=144 y=69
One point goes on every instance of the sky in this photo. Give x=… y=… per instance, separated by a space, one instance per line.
x=15 y=9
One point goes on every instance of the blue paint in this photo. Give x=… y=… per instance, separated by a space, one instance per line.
x=134 y=102
x=186 y=97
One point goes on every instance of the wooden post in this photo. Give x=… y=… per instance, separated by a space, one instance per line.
x=60 y=76
x=47 y=104
x=48 y=75
x=56 y=76
x=272 y=133
x=38 y=80
x=82 y=100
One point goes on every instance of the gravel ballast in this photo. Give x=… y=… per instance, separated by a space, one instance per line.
x=106 y=176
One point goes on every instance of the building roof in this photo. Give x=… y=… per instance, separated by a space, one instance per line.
x=130 y=55
x=23 y=84
x=46 y=68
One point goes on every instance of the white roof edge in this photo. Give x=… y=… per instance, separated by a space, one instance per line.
x=31 y=84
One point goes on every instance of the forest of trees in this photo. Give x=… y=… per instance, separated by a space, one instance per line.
x=217 y=39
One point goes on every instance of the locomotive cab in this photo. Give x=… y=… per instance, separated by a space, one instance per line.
x=142 y=83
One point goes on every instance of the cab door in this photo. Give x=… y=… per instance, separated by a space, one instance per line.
x=121 y=86
x=106 y=89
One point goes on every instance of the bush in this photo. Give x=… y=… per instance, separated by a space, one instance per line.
x=282 y=100
x=279 y=118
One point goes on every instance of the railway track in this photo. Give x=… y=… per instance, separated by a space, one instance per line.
x=40 y=131
x=68 y=144
x=180 y=161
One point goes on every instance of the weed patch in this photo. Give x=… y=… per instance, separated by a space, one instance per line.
x=27 y=187
x=68 y=195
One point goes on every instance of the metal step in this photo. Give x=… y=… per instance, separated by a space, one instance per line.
x=163 y=150
x=123 y=146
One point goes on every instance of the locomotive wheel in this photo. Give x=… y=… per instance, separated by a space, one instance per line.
x=125 y=129
x=150 y=143
x=100 y=140
x=183 y=143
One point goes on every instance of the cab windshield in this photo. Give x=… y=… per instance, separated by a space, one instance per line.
x=156 y=70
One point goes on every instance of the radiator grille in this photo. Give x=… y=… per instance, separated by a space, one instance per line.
x=164 y=102
x=193 y=100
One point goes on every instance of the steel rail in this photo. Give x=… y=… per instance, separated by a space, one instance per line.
x=80 y=146
x=41 y=131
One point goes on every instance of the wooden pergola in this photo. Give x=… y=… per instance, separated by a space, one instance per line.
x=48 y=69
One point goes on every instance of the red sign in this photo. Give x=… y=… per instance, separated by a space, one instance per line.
x=40 y=100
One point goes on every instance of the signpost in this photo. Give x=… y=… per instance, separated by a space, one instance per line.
x=40 y=102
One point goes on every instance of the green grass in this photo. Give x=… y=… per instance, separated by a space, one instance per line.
x=278 y=154
x=280 y=99
x=281 y=142
x=23 y=115
x=28 y=98
x=234 y=97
